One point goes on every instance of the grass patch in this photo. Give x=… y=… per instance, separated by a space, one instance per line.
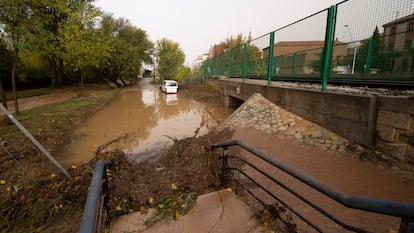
x=29 y=93
x=51 y=110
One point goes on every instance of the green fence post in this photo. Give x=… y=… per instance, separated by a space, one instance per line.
x=228 y=64
x=295 y=55
x=369 y=55
x=204 y=69
x=219 y=64
x=328 y=47
x=270 y=58
x=244 y=61
x=213 y=67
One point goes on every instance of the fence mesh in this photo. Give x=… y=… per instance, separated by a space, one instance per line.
x=377 y=35
x=371 y=38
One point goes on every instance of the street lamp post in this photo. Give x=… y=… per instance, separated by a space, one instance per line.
x=355 y=48
x=353 y=60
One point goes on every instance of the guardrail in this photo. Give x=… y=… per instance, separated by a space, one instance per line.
x=402 y=210
x=95 y=214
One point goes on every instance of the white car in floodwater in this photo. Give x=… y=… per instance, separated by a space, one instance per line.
x=169 y=86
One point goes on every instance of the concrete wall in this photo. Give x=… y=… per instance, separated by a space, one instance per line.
x=352 y=116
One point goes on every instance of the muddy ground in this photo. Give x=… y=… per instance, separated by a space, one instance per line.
x=36 y=197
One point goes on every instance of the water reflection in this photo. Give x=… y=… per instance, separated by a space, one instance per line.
x=148 y=118
x=171 y=99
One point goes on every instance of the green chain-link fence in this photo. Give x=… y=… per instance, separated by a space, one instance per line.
x=354 y=39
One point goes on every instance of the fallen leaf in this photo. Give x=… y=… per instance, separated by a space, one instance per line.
x=229 y=190
x=74 y=166
x=177 y=215
x=173 y=187
x=2 y=182
x=151 y=200
x=118 y=208
x=52 y=175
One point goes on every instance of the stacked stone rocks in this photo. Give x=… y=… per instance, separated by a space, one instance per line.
x=263 y=115
x=395 y=128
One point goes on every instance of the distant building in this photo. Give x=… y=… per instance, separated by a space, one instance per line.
x=307 y=54
x=399 y=38
x=200 y=59
x=217 y=49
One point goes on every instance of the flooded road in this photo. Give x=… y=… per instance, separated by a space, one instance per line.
x=142 y=122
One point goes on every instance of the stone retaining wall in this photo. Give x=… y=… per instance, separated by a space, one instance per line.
x=395 y=127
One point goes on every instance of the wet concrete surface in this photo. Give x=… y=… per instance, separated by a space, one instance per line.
x=142 y=121
x=212 y=212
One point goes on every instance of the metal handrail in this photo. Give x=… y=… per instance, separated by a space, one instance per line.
x=94 y=215
x=402 y=210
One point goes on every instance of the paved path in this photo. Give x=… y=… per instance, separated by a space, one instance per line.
x=58 y=95
x=216 y=212
x=323 y=155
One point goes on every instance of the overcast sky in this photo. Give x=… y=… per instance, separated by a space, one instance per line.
x=198 y=24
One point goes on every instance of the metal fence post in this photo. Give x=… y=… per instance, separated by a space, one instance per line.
x=216 y=70
x=229 y=64
x=367 y=69
x=295 y=56
x=210 y=67
x=244 y=61
x=218 y=67
x=270 y=57
x=274 y=66
x=328 y=47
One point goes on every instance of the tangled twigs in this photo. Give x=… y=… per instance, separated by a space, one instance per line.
x=106 y=145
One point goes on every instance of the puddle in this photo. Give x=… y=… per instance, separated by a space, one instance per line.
x=145 y=118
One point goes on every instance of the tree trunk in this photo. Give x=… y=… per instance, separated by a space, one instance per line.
x=13 y=74
x=52 y=74
x=2 y=94
x=81 y=81
x=59 y=74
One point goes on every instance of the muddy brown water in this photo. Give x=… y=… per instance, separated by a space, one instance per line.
x=145 y=118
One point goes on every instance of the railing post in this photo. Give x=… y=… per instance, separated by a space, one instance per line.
x=244 y=61
x=407 y=225
x=270 y=58
x=94 y=215
x=328 y=47
x=225 y=157
x=367 y=69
